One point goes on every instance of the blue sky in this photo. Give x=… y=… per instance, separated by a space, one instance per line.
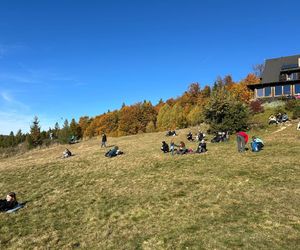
x=61 y=58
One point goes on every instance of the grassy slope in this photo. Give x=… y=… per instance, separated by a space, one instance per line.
x=147 y=200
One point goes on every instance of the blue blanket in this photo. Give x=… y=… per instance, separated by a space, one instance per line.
x=20 y=205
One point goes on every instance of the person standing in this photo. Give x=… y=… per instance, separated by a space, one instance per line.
x=172 y=147
x=242 y=139
x=104 y=140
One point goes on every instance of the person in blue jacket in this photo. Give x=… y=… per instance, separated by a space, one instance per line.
x=257 y=144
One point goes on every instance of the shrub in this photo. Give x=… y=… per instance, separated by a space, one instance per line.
x=150 y=127
x=274 y=104
x=223 y=113
x=279 y=109
x=195 y=116
x=296 y=112
x=290 y=105
x=256 y=107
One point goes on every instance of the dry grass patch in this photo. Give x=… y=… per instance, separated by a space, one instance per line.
x=145 y=199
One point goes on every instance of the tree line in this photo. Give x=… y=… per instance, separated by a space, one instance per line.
x=224 y=106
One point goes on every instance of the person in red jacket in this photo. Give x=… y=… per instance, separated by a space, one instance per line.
x=242 y=139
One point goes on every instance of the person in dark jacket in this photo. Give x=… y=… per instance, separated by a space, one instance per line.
x=113 y=152
x=9 y=203
x=201 y=147
x=104 y=140
x=200 y=136
x=189 y=136
x=165 y=147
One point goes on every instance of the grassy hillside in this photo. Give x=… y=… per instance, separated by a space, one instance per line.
x=147 y=200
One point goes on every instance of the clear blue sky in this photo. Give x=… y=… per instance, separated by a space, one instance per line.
x=63 y=58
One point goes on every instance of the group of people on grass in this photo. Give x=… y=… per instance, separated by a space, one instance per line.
x=278 y=118
x=199 y=136
x=220 y=137
x=242 y=139
x=171 y=133
x=115 y=151
x=182 y=149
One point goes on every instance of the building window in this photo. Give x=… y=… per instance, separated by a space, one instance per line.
x=268 y=91
x=287 y=89
x=295 y=76
x=278 y=90
x=260 y=92
x=297 y=88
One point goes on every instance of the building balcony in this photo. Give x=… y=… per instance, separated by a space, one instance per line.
x=289 y=77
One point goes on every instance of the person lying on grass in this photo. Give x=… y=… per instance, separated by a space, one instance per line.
x=9 y=203
x=113 y=152
x=164 y=147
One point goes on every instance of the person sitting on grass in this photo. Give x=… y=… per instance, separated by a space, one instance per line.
x=165 y=147
x=201 y=147
x=189 y=136
x=182 y=149
x=113 y=152
x=67 y=153
x=285 y=117
x=200 y=136
x=272 y=120
x=171 y=133
x=279 y=117
x=219 y=137
x=257 y=144
x=9 y=203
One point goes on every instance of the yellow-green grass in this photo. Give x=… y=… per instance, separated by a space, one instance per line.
x=145 y=199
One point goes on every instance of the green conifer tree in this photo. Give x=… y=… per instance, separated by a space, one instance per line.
x=35 y=132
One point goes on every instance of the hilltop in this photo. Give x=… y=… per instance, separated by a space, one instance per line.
x=147 y=200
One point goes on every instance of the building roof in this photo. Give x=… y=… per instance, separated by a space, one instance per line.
x=273 y=67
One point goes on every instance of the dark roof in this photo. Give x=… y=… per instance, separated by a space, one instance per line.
x=273 y=67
